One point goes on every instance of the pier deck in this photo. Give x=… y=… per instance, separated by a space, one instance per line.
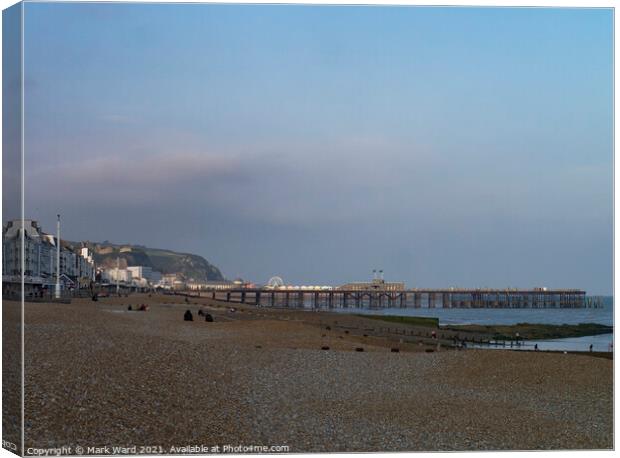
x=411 y=298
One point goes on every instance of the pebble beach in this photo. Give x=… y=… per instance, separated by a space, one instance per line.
x=97 y=374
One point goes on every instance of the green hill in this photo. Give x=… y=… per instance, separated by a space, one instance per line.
x=190 y=266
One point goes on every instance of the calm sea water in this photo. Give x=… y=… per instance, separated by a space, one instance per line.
x=603 y=315
x=601 y=342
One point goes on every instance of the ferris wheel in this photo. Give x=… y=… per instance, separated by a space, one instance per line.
x=275 y=282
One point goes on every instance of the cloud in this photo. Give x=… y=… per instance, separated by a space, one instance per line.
x=272 y=188
x=330 y=184
x=132 y=178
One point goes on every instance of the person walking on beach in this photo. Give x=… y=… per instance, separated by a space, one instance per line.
x=590 y=348
x=535 y=347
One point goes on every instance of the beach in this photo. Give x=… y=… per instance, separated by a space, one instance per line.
x=99 y=375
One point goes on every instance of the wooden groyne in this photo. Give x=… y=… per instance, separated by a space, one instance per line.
x=418 y=298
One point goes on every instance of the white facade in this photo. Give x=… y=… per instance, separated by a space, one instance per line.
x=146 y=273
x=212 y=285
x=113 y=275
x=39 y=255
x=11 y=248
x=172 y=281
x=141 y=282
x=141 y=272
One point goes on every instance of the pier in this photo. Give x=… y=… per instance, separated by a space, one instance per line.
x=410 y=298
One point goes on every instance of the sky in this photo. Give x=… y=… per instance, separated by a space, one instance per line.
x=463 y=147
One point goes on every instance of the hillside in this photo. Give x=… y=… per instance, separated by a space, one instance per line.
x=191 y=266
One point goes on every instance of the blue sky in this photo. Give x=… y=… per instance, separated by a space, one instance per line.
x=447 y=146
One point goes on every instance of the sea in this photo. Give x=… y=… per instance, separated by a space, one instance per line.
x=602 y=315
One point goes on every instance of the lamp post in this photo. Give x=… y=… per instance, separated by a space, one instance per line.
x=57 y=292
x=118 y=273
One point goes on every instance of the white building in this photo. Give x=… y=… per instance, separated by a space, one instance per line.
x=86 y=264
x=211 y=285
x=40 y=253
x=146 y=273
x=172 y=281
x=11 y=248
x=115 y=274
x=140 y=271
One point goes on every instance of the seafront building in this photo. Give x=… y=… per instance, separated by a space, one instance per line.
x=212 y=285
x=177 y=282
x=114 y=275
x=373 y=285
x=77 y=267
x=378 y=283
x=138 y=276
x=172 y=281
x=144 y=272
